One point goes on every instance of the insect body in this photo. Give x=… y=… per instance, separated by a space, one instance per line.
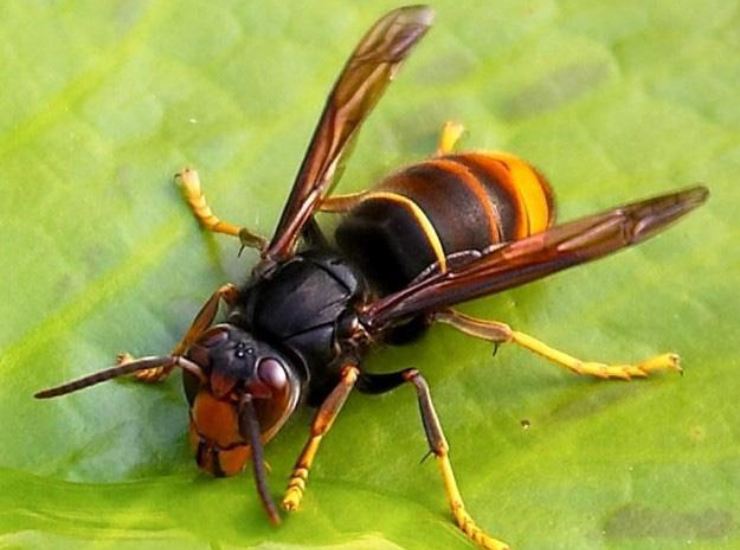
x=446 y=230
x=448 y=206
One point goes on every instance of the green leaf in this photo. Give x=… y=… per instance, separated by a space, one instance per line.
x=101 y=102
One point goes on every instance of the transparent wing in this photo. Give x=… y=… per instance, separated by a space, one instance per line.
x=534 y=257
x=361 y=83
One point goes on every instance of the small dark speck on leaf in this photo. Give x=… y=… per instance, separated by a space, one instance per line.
x=525 y=424
x=697 y=434
x=557 y=88
x=634 y=521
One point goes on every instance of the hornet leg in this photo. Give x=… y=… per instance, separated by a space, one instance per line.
x=500 y=333
x=190 y=184
x=202 y=321
x=380 y=383
x=322 y=422
x=448 y=137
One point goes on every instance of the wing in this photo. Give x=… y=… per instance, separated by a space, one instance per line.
x=534 y=257
x=363 y=80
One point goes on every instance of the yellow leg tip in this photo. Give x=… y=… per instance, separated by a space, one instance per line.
x=296 y=487
x=468 y=526
x=643 y=369
x=667 y=361
x=189 y=183
x=188 y=179
x=451 y=133
x=292 y=499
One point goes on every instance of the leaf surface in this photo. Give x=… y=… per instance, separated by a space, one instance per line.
x=101 y=102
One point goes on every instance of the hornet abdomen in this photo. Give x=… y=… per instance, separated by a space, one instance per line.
x=426 y=212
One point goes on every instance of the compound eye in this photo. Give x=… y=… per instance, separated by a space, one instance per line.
x=272 y=373
x=276 y=391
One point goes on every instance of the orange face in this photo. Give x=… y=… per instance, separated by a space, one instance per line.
x=220 y=447
x=214 y=435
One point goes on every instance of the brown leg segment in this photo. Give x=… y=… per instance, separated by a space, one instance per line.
x=382 y=383
x=322 y=422
x=438 y=445
x=190 y=184
x=204 y=318
x=501 y=333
